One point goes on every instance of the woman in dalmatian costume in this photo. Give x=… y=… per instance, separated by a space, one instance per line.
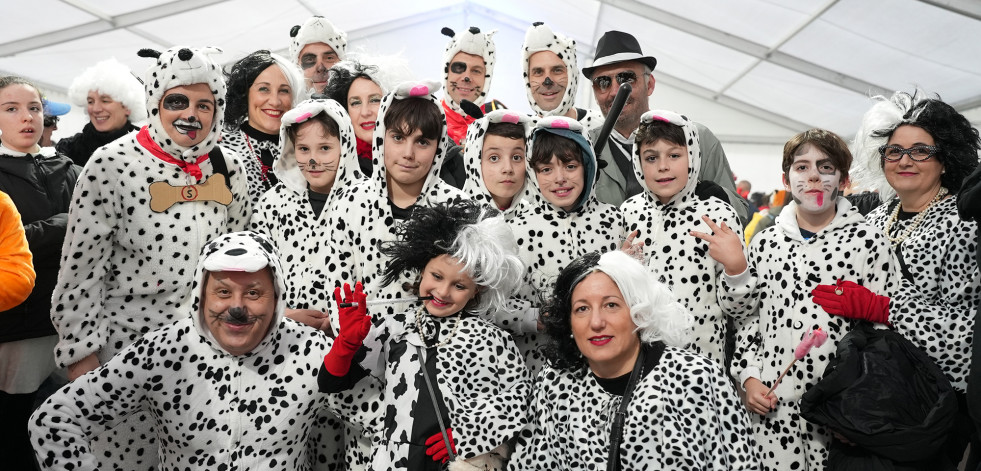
x=261 y=87
x=541 y=38
x=363 y=215
x=615 y=334
x=215 y=401
x=550 y=237
x=677 y=258
x=452 y=386
x=938 y=284
x=144 y=208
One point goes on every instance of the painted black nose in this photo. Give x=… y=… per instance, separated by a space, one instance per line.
x=548 y=82
x=191 y=119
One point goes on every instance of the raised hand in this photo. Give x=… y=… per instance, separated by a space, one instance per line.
x=354 y=326
x=633 y=247
x=725 y=246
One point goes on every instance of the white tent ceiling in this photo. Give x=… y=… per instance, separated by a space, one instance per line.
x=755 y=71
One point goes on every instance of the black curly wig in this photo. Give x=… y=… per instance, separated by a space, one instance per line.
x=344 y=74
x=429 y=233
x=957 y=141
x=239 y=80
x=560 y=347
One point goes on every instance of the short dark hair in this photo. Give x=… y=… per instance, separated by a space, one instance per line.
x=331 y=129
x=651 y=132
x=240 y=79
x=957 y=141
x=413 y=113
x=508 y=130
x=547 y=144
x=825 y=141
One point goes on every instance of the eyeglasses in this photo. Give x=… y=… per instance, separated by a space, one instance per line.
x=603 y=82
x=916 y=153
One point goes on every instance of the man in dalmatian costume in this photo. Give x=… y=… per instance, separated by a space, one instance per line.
x=316 y=46
x=552 y=76
x=233 y=385
x=145 y=205
x=468 y=68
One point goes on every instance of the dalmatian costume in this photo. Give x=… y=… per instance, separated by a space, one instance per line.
x=683 y=415
x=317 y=29
x=773 y=298
x=679 y=259
x=480 y=376
x=936 y=297
x=362 y=216
x=126 y=269
x=540 y=37
x=470 y=41
x=285 y=215
x=474 y=184
x=208 y=408
x=550 y=237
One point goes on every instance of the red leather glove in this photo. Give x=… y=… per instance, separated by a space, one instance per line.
x=355 y=324
x=437 y=446
x=852 y=300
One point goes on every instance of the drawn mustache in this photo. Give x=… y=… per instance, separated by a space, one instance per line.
x=315 y=166
x=235 y=315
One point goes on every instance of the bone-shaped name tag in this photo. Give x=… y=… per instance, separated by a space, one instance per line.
x=163 y=195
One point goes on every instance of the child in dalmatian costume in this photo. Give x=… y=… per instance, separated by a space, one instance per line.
x=126 y=267
x=210 y=405
x=470 y=41
x=677 y=258
x=364 y=215
x=451 y=386
x=550 y=237
x=293 y=215
x=770 y=292
x=538 y=38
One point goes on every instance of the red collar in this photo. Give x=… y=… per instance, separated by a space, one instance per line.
x=456 y=124
x=192 y=169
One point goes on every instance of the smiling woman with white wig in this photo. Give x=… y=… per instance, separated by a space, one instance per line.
x=620 y=392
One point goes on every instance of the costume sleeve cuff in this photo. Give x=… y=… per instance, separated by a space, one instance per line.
x=741 y=279
x=750 y=372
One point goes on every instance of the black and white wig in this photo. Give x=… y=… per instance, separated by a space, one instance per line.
x=385 y=71
x=956 y=140
x=475 y=235
x=653 y=307
x=243 y=74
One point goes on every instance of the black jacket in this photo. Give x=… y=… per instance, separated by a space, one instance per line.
x=41 y=188
x=81 y=146
x=888 y=398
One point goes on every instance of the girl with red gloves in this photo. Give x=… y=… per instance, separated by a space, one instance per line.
x=447 y=386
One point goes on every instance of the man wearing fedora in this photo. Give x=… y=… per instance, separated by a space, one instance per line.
x=619 y=59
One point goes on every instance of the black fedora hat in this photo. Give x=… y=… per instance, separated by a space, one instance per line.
x=617 y=46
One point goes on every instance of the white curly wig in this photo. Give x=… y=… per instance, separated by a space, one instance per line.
x=111 y=77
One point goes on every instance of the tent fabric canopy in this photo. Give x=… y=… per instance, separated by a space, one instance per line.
x=755 y=71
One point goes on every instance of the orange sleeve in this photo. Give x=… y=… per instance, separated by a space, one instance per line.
x=16 y=267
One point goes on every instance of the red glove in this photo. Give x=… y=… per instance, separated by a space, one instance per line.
x=355 y=324
x=437 y=446
x=851 y=300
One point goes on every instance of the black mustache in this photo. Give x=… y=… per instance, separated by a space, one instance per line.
x=235 y=315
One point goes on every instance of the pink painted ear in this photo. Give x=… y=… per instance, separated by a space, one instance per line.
x=303 y=117
x=419 y=90
x=510 y=118
x=660 y=118
x=559 y=124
